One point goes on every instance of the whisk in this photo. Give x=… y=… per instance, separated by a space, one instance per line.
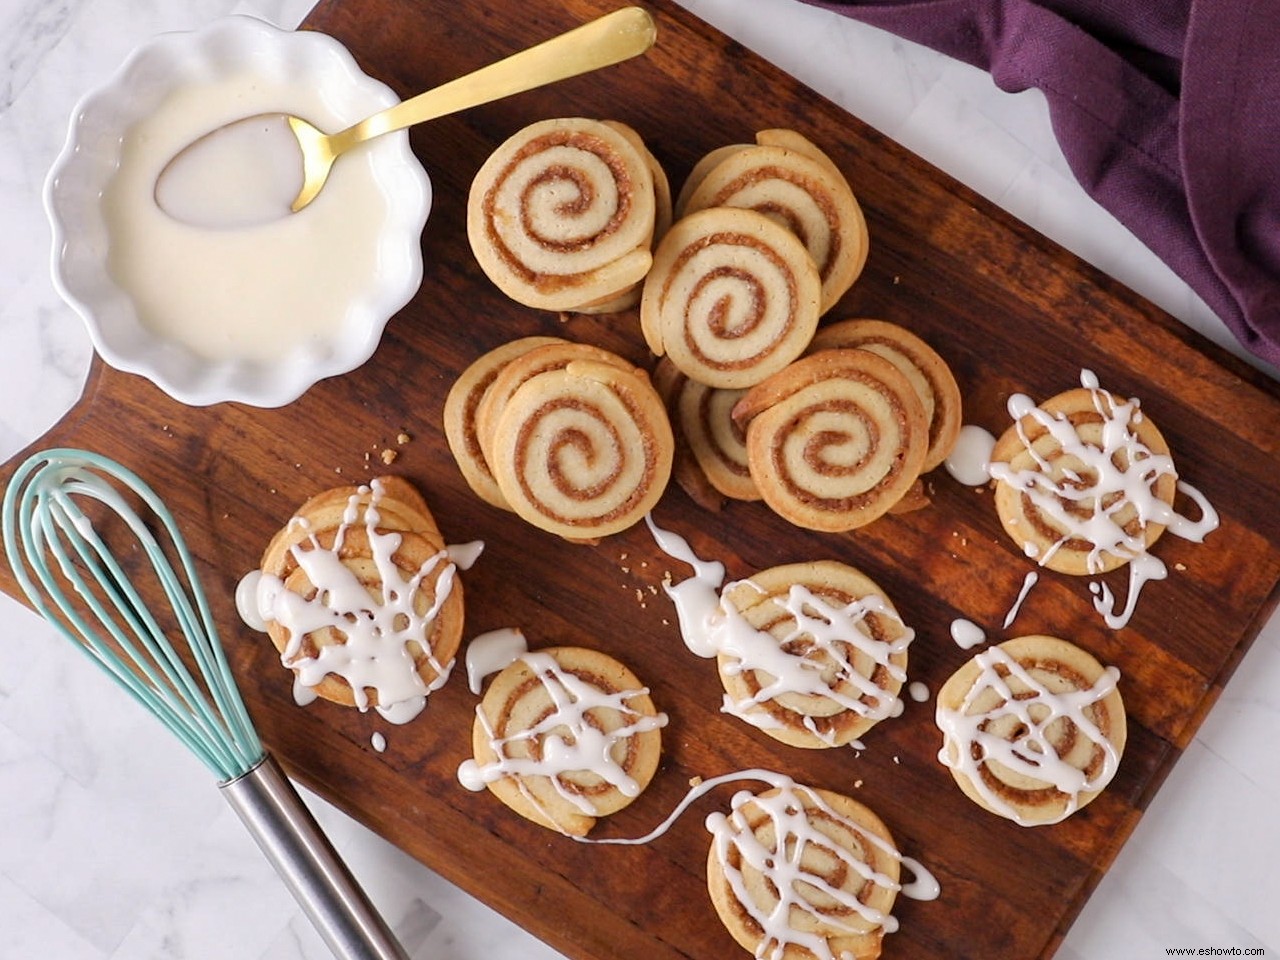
x=72 y=577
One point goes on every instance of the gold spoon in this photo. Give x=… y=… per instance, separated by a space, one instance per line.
x=599 y=43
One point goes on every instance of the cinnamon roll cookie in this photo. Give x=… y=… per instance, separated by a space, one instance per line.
x=581 y=448
x=789 y=179
x=920 y=363
x=732 y=297
x=801 y=873
x=562 y=215
x=813 y=654
x=712 y=454
x=1084 y=481
x=835 y=439
x=359 y=594
x=460 y=414
x=563 y=736
x=1033 y=729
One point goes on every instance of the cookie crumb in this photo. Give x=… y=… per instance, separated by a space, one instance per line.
x=1180 y=567
x=402 y=438
x=389 y=456
x=857 y=784
x=695 y=781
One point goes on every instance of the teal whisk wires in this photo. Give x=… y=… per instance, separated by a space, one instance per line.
x=65 y=516
x=64 y=567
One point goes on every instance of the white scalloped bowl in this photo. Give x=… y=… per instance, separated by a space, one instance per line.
x=92 y=154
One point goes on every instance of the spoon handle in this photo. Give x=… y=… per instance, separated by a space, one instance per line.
x=599 y=43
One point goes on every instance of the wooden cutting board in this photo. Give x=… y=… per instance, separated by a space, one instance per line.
x=1009 y=310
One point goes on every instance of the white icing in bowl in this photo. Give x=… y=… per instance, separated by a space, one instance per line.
x=92 y=155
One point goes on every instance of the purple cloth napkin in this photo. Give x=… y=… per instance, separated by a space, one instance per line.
x=1168 y=112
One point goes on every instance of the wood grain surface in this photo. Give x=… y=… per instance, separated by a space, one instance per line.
x=1008 y=310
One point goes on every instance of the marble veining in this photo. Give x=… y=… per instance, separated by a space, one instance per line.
x=115 y=845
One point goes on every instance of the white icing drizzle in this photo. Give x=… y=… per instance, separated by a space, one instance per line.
x=378 y=742
x=782 y=863
x=490 y=652
x=376 y=653
x=711 y=628
x=697 y=598
x=571 y=742
x=1032 y=755
x=918 y=691
x=1028 y=582
x=967 y=634
x=970 y=457
x=1123 y=470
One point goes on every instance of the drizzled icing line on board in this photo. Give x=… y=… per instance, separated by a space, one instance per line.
x=1032 y=755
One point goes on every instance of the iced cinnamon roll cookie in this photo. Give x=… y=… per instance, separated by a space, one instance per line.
x=835 y=439
x=789 y=179
x=562 y=215
x=929 y=374
x=563 y=736
x=360 y=595
x=1033 y=729
x=801 y=873
x=1085 y=483
x=732 y=297
x=813 y=654
x=460 y=414
x=582 y=449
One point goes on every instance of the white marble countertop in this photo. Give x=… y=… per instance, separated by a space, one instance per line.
x=113 y=843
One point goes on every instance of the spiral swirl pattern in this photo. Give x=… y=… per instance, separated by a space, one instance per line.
x=920 y=363
x=834 y=440
x=732 y=297
x=789 y=179
x=583 y=451
x=562 y=215
x=801 y=872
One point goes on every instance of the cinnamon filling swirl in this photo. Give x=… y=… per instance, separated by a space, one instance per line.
x=732 y=297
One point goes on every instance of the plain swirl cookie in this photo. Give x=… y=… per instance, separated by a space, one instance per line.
x=732 y=297
x=583 y=450
x=835 y=440
x=789 y=179
x=563 y=214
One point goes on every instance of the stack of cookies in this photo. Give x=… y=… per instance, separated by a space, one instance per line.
x=830 y=428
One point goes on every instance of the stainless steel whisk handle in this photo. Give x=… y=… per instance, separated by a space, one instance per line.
x=287 y=833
